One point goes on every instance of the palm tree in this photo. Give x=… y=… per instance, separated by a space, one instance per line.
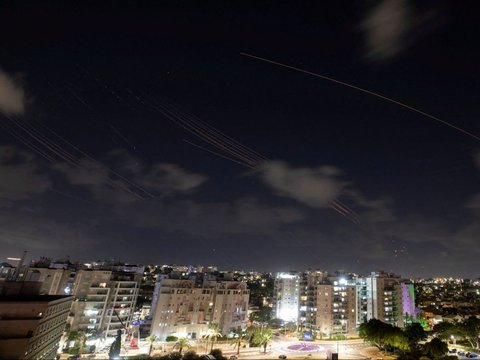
x=151 y=339
x=181 y=344
x=239 y=339
x=213 y=333
x=265 y=338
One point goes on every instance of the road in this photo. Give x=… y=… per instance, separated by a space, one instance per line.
x=293 y=349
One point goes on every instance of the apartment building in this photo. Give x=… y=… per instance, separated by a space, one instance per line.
x=124 y=287
x=184 y=306
x=336 y=307
x=308 y=296
x=338 y=304
x=286 y=296
x=31 y=325
x=389 y=298
x=104 y=301
x=53 y=281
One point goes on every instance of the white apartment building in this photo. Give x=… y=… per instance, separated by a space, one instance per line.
x=185 y=307
x=286 y=296
x=104 y=301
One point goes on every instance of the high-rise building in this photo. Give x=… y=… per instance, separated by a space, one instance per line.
x=286 y=296
x=336 y=307
x=340 y=303
x=308 y=296
x=184 y=306
x=388 y=298
x=104 y=301
x=31 y=325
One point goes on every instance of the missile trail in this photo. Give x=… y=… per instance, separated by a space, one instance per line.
x=432 y=117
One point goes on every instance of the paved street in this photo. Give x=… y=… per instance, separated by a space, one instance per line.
x=293 y=349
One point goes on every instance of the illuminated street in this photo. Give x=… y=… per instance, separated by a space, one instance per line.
x=350 y=349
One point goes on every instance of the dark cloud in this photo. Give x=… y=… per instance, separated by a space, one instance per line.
x=37 y=232
x=373 y=210
x=129 y=176
x=12 y=95
x=316 y=187
x=210 y=219
x=160 y=178
x=386 y=27
x=21 y=177
x=382 y=240
x=391 y=26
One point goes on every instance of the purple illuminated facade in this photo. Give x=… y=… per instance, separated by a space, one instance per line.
x=408 y=300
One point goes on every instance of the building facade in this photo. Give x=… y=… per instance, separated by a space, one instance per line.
x=389 y=298
x=31 y=325
x=53 y=281
x=104 y=301
x=340 y=303
x=336 y=307
x=286 y=296
x=184 y=307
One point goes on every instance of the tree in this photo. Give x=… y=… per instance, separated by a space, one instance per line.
x=217 y=354
x=254 y=335
x=79 y=337
x=263 y=315
x=435 y=348
x=397 y=339
x=376 y=332
x=213 y=333
x=151 y=339
x=265 y=337
x=239 y=339
x=290 y=326
x=181 y=344
x=190 y=355
x=275 y=323
x=414 y=333
x=446 y=330
x=470 y=328
x=114 y=352
x=174 y=356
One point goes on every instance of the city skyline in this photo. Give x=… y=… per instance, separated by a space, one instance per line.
x=142 y=133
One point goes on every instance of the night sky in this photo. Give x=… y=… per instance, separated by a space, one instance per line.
x=92 y=168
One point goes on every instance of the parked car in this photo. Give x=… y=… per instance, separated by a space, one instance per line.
x=282 y=357
x=233 y=357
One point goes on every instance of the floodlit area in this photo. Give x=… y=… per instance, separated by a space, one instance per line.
x=293 y=349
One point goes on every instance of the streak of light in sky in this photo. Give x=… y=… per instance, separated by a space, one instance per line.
x=465 y=132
